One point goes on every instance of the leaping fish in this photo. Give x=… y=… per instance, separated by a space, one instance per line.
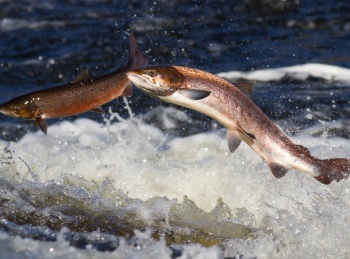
x=81 y=95
x=229 y=104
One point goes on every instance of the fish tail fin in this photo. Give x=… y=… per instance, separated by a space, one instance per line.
x=333 y=169
x=136 y=59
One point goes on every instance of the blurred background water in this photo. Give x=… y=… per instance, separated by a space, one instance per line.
x=47 y=43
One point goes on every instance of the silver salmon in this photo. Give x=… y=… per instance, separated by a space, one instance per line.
x=230 y=105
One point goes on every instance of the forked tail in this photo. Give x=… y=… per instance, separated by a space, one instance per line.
x=333 y=169
x=136 y=59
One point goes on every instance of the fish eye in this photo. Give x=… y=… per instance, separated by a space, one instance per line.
x=151 y=73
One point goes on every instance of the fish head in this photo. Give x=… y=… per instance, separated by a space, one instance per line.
x=157 y=81
x=19 y=108
x=166 y=83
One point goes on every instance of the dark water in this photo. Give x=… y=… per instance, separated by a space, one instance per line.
x=45 y=43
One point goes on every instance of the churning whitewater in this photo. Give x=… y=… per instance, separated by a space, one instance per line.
x=63 y=192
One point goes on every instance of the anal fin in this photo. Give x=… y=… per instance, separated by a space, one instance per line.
x=277 y=170
x=98 y=109
x=233 y=140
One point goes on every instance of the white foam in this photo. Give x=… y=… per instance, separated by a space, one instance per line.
x=297 y=72
x=299 y=217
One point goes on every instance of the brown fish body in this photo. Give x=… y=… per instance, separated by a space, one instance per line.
x=78 y=97
x=82 y=95
x=236 y=112
x=230 y=106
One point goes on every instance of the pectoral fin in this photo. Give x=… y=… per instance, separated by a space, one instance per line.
x=277 y=169
x=194 y=94
x=245 y=135
x=233 y=140
x=42 y=124
x=127 y=91
x=98 y=109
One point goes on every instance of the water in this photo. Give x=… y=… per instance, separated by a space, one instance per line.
x=151 y=180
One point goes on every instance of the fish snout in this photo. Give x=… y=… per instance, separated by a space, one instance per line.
x=139 y=80
x=6 y=111
x=19 y=110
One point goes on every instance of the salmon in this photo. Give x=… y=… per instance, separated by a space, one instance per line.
x=82 y=94
x=230 y=105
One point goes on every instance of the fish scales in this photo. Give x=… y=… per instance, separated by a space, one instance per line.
x=229 y=105
x=81 y=95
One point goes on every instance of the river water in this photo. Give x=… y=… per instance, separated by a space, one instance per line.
x=152 y=180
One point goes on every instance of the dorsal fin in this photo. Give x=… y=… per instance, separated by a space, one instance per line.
x=246 y=88
x=82 y=77
x=136 y=59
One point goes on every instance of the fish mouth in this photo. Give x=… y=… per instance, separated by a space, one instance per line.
x=7 y=113
x=141 y=82
x=11 y=114
x=138 y=80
